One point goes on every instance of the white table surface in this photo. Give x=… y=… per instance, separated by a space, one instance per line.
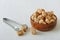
x=20 y=11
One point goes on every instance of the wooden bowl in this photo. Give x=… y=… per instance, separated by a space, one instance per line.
x=43 y=27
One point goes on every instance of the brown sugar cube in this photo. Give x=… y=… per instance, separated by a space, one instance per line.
x=41 y=22
x=20 y=33
x=33 y=31
x=40 y=17
x=24 y=28
x=36 y=20
x=33 y=16
x=52 y=20
x=47 y=21
x=54 y=17
x=37 y=14
x=48 y=17
x=50 y=13
x=40 y=11
x=44 y=13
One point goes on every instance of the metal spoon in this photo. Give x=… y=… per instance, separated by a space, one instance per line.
x=16 y=26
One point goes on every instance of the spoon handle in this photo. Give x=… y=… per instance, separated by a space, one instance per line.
x=16 y=26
